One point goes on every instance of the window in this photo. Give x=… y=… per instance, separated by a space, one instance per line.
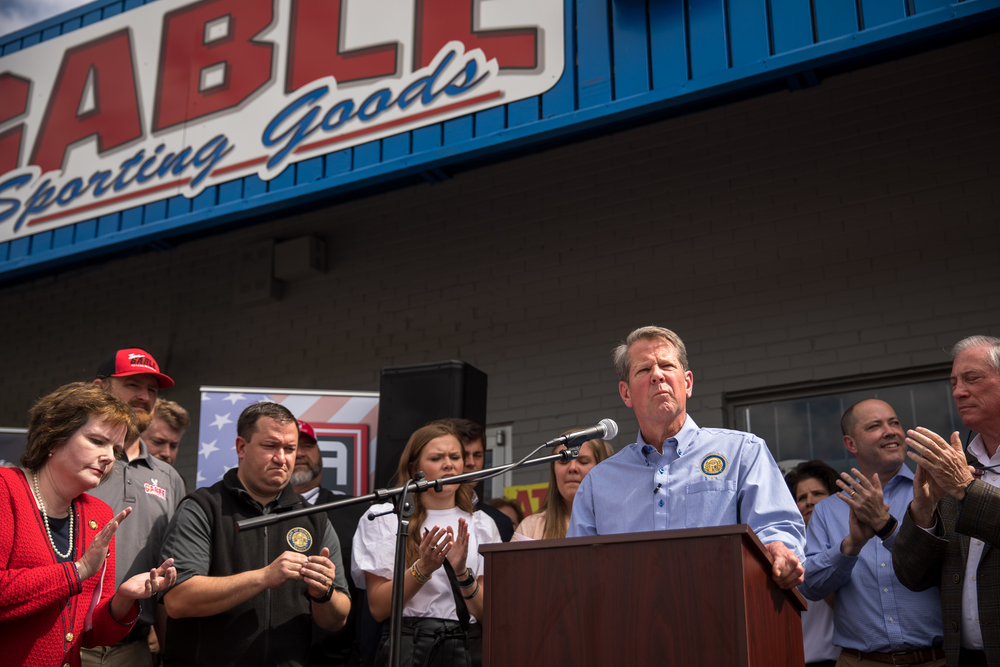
x=498 y=453
x=808 y=427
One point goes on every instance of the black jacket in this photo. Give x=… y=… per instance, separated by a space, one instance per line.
x=271 y=628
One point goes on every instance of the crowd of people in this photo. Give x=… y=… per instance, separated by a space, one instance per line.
x=106 y=559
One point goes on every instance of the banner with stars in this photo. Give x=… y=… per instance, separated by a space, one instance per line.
x=346 y=425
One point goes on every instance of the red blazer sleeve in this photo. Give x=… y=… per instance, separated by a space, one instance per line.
x=27 y=590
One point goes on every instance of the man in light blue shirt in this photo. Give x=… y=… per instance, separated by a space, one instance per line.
x=678 y=475
x=850 y=537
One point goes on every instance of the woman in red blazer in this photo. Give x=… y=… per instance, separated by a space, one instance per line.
x=57 y=557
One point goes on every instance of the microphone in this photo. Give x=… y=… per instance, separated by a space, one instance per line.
x=606 y=430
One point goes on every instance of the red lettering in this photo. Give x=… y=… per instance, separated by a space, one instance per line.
x=13 y=103
x=440 y=21
x=314 y=47
x=208 y=61
x=95 y=94
x=525 y=502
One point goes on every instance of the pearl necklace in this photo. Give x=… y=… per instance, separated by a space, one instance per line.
x=45 y=518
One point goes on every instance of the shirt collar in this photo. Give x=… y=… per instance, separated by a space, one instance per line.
x=311 y=495
x=682 y=440
x=144 y=455
x=904 y=473
x=978 y=449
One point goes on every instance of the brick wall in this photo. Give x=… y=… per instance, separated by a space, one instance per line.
x=848 y=228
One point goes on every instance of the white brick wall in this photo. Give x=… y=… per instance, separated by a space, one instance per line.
x=848 y=228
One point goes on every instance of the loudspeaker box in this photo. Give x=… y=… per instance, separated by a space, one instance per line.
x=411 y=396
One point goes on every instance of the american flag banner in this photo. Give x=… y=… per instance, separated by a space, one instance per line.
x=346 y=425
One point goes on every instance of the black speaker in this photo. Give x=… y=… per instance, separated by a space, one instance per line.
x=411 y=396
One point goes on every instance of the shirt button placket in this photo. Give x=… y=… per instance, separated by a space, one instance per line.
x=659 y=498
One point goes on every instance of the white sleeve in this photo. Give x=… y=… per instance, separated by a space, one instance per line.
x=484 y=530
x=374 y=547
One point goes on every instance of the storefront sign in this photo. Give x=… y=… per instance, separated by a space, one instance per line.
x=531 y=497
x=176 y=96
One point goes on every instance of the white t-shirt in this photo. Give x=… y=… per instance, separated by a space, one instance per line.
x=374 y=549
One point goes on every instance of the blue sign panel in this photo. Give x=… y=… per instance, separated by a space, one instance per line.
x=126 y=123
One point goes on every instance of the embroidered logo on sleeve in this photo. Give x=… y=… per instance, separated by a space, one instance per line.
x=155 y=490
x=713 y=465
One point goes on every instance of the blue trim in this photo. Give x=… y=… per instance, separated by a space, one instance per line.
x=586 y=99
x=59 y=19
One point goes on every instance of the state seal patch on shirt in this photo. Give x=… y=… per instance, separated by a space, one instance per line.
x=713 y=465
x=299 y=539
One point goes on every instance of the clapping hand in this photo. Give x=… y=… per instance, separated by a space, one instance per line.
x=433 y=549
x=944 y=462
x=460 y=550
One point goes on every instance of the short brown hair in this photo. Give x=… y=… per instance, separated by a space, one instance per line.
x=623 y=362
x=467 y=430
x=246 y=425
x=172 y=414
x=56 y=417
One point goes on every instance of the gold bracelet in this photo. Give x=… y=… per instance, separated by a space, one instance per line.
x=418 y=575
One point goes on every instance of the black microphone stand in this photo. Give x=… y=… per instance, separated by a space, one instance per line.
x=416 y=485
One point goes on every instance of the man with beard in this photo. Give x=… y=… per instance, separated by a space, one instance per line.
x=877 y=620
x=341 y=647
x=149 y=486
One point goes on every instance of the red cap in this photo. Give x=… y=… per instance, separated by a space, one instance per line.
x=133 y=361
x=306 y=430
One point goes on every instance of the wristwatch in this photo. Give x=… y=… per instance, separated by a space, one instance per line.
x=886 y=530
x=325 y=598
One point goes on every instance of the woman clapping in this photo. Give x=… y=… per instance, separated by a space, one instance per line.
x=57 y=563
x=444 y=532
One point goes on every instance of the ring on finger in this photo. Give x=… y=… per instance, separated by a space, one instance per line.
x=853 y=493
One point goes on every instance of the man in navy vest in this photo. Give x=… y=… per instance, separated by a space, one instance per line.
x=249 y=598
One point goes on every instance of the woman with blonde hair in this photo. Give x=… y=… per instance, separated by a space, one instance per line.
x=564 y=480
x=441 y=619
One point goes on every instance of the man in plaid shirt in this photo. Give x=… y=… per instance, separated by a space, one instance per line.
x=950 y=535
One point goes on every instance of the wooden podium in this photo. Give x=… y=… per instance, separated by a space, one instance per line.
x=672 y=597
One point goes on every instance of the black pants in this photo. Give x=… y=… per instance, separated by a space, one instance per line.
x=434 y=642
x=970 y=658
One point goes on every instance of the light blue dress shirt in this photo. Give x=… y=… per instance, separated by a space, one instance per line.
x=705 y=477
x=873 y=611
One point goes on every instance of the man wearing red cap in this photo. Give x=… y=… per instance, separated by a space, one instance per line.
x=149 y=486
x=341 y=647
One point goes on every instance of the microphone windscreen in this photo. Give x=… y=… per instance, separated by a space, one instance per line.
x=610 y=429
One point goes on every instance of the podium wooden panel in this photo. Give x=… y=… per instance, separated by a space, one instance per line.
x=673 y=597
